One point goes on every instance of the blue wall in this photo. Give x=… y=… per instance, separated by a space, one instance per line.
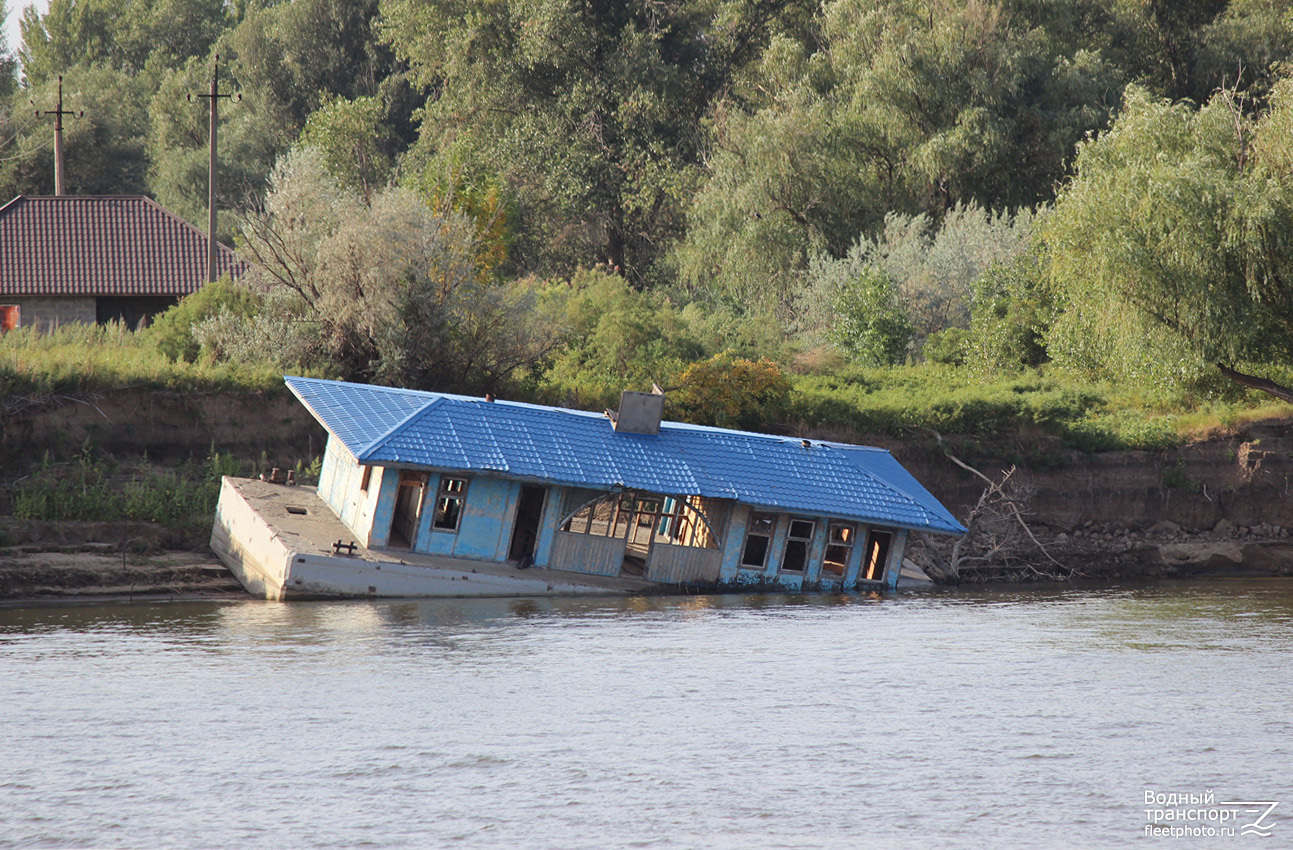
x=485 y=528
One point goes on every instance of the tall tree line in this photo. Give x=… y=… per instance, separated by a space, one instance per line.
x=767 y=158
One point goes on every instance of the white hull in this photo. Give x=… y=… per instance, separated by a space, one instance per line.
x=278 y=555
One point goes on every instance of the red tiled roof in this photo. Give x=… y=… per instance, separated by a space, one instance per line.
x=101 y=245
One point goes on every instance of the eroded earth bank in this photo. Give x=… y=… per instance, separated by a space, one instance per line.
x=1217 y=506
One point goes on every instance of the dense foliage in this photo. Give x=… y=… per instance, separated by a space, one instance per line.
x=748 y=202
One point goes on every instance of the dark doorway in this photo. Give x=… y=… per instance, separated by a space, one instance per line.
x=529 y=511
x=408 y=507
x=131 y=311
x=877 y=555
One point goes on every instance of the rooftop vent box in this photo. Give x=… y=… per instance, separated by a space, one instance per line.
x=639 y=413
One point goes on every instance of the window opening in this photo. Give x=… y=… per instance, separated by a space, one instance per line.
x=839 y=549
x=758 y=539
x=799 y=542
x=448 y=503
x=365 y=478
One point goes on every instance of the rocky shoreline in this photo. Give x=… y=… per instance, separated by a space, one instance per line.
x=1166 y=550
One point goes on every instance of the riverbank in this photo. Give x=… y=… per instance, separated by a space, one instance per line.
x=1217 y=506
x=90 y=573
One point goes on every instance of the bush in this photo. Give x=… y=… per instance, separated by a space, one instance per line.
x=947 y=347
x=732 y=392
x=172 y=331
x=869 y=326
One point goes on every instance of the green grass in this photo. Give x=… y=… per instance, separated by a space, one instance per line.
x=92 y=488
x=85 y=358
x=1086 y=416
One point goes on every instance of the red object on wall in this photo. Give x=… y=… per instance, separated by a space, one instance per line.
x=9 y=315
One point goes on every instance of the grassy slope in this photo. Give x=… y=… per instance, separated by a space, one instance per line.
x=1086 y=415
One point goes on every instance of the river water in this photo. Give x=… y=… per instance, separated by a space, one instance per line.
x=1008 y=718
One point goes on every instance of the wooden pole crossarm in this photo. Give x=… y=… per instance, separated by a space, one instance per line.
x=214 y=96
x=58 y=112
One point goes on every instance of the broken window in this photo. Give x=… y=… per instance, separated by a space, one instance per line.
x=600 y=518
x=640 y=519
x=758 y=540
x=839 y=549
x=448 y=503
x=799 y=542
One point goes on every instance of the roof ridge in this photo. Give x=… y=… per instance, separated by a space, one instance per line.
x=391 y=431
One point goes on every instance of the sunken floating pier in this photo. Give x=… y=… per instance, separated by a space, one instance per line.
x=427 y=494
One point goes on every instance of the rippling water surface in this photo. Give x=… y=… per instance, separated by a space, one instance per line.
x=1033 y=718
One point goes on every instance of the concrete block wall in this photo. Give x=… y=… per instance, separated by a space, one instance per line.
x=47 y=313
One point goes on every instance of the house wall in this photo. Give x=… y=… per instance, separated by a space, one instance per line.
x=485 y=529
x=489 y=514
x=47 y=313
x=340 y=480
x=731 y=571
x=548 y=526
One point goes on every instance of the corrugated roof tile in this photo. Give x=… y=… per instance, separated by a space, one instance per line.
x=381 y=425
x=102 y=245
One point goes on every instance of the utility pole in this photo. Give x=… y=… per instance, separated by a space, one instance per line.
x=214 y=97
x=60 y=168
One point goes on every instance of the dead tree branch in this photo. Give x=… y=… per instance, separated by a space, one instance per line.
x=996 y=543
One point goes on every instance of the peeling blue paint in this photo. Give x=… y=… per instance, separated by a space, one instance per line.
x=732 y=547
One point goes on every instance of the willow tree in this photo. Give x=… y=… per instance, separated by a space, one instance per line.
x=1173 y=245
x=587 y=113
x=892 y=106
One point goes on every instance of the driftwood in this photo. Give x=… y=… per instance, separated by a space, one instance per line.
x=998 y=544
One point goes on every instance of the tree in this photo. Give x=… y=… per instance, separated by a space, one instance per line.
x=8 y=69
x=353 y=141
x=616 y=337
x=893 y=106
x=1012 y=313
x=287 y=60
x=587 y=114
x=105 y=149
x=1171 y=247
x=869 y=326
x=124 y=35
x=387 y=291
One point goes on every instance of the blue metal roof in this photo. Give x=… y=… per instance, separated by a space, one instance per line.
x=406 y=428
